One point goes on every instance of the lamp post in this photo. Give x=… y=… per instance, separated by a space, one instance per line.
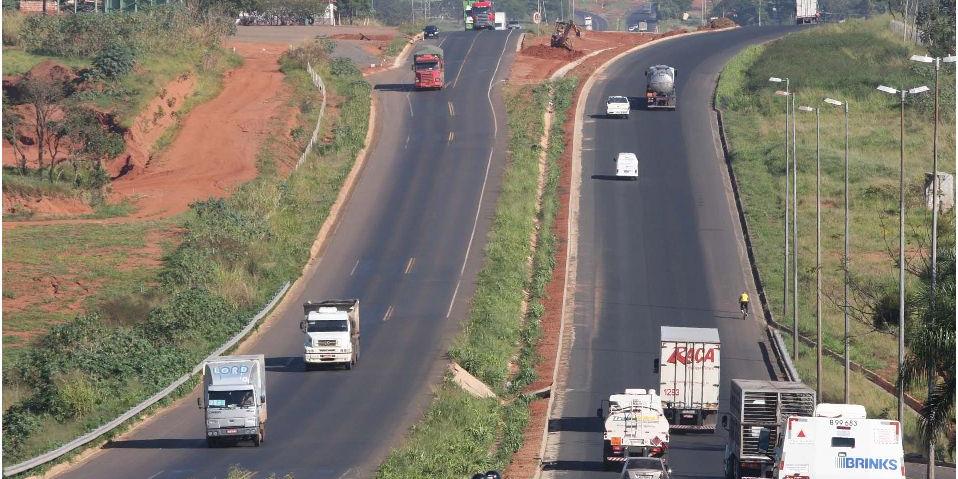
x=787 y=94
x=845 y=258
x=930 y=472
x=901 y=239
x=818 y=249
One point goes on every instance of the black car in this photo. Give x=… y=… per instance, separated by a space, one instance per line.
x=431 y=31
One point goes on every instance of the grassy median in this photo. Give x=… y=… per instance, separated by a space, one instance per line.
x=460 y=434
x=846 y=62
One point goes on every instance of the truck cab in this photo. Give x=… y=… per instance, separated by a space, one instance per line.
x=234 y=399
x=634 y=426
x=331 y=330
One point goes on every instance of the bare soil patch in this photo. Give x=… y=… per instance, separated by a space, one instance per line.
x=41 y=207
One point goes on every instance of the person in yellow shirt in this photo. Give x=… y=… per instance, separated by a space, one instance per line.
x=743 y=303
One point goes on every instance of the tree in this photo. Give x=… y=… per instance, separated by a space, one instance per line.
x=93 y=144
x=936 y=21
x=44 y=93
x=12 y=121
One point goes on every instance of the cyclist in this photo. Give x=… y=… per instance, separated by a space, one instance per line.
x=743 y=303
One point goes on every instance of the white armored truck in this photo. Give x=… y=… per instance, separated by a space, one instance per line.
x=234 y=398
x=331 y=330
x=634 y=426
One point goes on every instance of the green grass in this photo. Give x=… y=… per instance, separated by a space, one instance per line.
x=17 y=62
x=846 y=62
x=460 y=434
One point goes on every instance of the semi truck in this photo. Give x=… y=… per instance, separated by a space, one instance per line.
x=429 y=67
x=806 y=11
x=757 y=413
x=689 y=373
x=234 y=399
x=483 y=15
x=500 y=21
x=839 y=442
x=331 y=330
x=634 y=426
x=660 y=87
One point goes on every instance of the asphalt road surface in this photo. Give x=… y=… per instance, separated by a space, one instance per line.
x=409 y=246
x=664 y=250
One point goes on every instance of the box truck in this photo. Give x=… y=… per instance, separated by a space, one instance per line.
x=234 y=399
x=689 y=373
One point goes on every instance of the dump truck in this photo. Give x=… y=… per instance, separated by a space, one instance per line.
x=690 y=365
x=234 y=399
x=331 y=330
x=483 y=15
x=758 y=410
x=839 y=442
x=660 y=87
x=429 y=67
x=634 y=426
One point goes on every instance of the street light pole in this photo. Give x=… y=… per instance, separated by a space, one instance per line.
x=818 y=249
x=794 y=237
x=845 y=259
x=901 y=240
x=787 y=94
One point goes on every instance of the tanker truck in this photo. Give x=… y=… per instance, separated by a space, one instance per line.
x=634 y=426
x=660 y=87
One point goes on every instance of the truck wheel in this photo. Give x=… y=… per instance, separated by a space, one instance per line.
x=348 y=365
x=211 y=442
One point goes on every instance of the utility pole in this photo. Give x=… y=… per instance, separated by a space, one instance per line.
x=818 y=249
x=794 y=238
x=845 y=258
x=787 y=94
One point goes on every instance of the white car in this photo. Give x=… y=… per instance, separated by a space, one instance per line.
x=627 y=166
x=645 y=468
x=617 y=106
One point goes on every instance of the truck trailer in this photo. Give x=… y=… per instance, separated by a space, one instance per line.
x=501 y=21
x=757 y=413
x=234 y=399
x=660 y=87
x=689 y=368
x=634 y=426
x=429 y=67
x=806 y=11
x=331 y=330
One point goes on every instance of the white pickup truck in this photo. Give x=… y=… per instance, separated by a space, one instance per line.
x=617 y=106
x=634 y=426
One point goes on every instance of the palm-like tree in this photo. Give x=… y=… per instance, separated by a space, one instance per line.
x=931 y=349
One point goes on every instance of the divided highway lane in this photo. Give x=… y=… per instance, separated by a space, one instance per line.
x=665 y=250
x=409 y=246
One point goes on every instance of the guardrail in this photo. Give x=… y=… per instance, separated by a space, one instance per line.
x=92 y=435
x=318 y=82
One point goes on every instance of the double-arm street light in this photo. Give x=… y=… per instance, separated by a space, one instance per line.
x=934 y=228
x=845 y=258
x=901 y=238
x=818 y=248
x=789 y=98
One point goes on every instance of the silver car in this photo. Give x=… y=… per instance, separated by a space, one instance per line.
x=645 y=468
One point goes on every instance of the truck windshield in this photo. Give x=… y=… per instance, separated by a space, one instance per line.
x=479 y=10
x=421 y=66
x=327 y=326
x=231 y=399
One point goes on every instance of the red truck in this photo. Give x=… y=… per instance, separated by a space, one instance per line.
x=429 y=67
x=483 y=15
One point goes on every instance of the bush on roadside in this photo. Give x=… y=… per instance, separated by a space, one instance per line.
x=114 y=61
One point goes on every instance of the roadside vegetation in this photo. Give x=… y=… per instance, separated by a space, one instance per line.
x=233 y=255
x=461 y=434
x=870 y=55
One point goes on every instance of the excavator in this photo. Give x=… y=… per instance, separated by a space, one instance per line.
x=560 y=38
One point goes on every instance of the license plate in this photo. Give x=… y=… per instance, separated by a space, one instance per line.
x=231 y=431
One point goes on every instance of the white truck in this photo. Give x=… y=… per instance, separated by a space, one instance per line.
x=839 y=442
x=634 y=426
x=627 y=166
x=689 y=379
x=806 y=11
x=617 y=106
x=757 y=413
x=234 y=399
x=331 y=330
x=588 y=23
x=500 y=21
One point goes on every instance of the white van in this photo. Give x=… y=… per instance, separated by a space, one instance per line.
x=840 y=443
x=627 y=166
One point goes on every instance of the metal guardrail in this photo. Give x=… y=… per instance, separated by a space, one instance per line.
x=318 y=81
x=790 y=370
x=92 y=435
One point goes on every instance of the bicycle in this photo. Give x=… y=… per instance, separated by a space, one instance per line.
x=743 y=306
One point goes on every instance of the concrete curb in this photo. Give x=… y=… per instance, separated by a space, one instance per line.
x=404 y=54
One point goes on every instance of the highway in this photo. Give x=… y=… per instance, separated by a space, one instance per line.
x=409 y=245
x=665 y=250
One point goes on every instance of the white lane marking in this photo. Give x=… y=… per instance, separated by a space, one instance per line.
x=452 y=136
x=452 y=110
x=154 y=476
x=409 y=265
x=456 y=81
x=485 y=178
x=409 y=102
x=407 y=143
x=345 y=474
x=389 y=313
x=353 y=271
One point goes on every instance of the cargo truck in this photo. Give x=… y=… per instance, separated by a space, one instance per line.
x=839 y=442
x=483 y=15
x=331 y=330
x=806 y=11
x=234 y=399
x=429 y=67
x=634 y=426
x=660 y=87
x=500 y=20
x=588 y=23
x=757 y=413
x=689 y=368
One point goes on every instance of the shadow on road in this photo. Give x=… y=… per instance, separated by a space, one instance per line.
x=284 y=364
x=397 y=87
x=576 y=424
x=191 y=443
x=583 y=466
x=611 y=178
x=769 y=362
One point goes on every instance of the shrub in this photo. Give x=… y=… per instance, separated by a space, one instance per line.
x=115 y=61
x=75 y=395
x=343 y=67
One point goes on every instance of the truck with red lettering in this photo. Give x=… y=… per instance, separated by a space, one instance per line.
x=689 y=373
